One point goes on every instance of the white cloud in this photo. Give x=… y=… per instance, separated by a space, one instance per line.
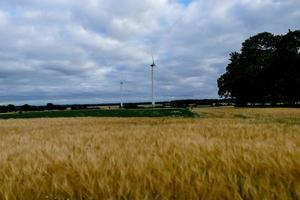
x=79 y=51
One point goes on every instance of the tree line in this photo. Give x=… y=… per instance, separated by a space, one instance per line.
x=184 y=103
x=266 y=70
x=26 y=108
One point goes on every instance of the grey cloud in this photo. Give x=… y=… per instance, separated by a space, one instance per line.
x=67 y=51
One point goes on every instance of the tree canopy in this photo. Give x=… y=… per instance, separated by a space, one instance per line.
x=267 y=69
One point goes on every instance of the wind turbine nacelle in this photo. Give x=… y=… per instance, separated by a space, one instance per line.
x=153 y=63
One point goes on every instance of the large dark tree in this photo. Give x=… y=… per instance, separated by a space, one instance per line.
x=266 y=70
x=286 y=68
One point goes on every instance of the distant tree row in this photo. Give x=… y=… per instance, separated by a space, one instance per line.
x=183 y=103
x=266 y=70
x=26 y=107
x=48 y=107
x=8 y=108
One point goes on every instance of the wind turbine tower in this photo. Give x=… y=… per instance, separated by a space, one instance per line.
x=152 y=79
x=121 y=94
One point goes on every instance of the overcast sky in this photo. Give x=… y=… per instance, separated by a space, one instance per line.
x=78 y=51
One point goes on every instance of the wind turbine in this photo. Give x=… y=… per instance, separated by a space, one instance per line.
x=121 y=93
x=152 y=69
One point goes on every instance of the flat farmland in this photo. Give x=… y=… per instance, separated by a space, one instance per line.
x=226 y=153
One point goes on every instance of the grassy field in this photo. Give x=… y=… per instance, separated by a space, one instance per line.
x=102 y=113
x=226 y=153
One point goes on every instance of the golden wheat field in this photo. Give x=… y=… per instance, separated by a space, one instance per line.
x=226 y=153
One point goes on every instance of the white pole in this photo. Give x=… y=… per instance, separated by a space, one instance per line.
x=153 y=102
x=121 y=93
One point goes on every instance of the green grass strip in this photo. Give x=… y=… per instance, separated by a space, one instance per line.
x=103 y=113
